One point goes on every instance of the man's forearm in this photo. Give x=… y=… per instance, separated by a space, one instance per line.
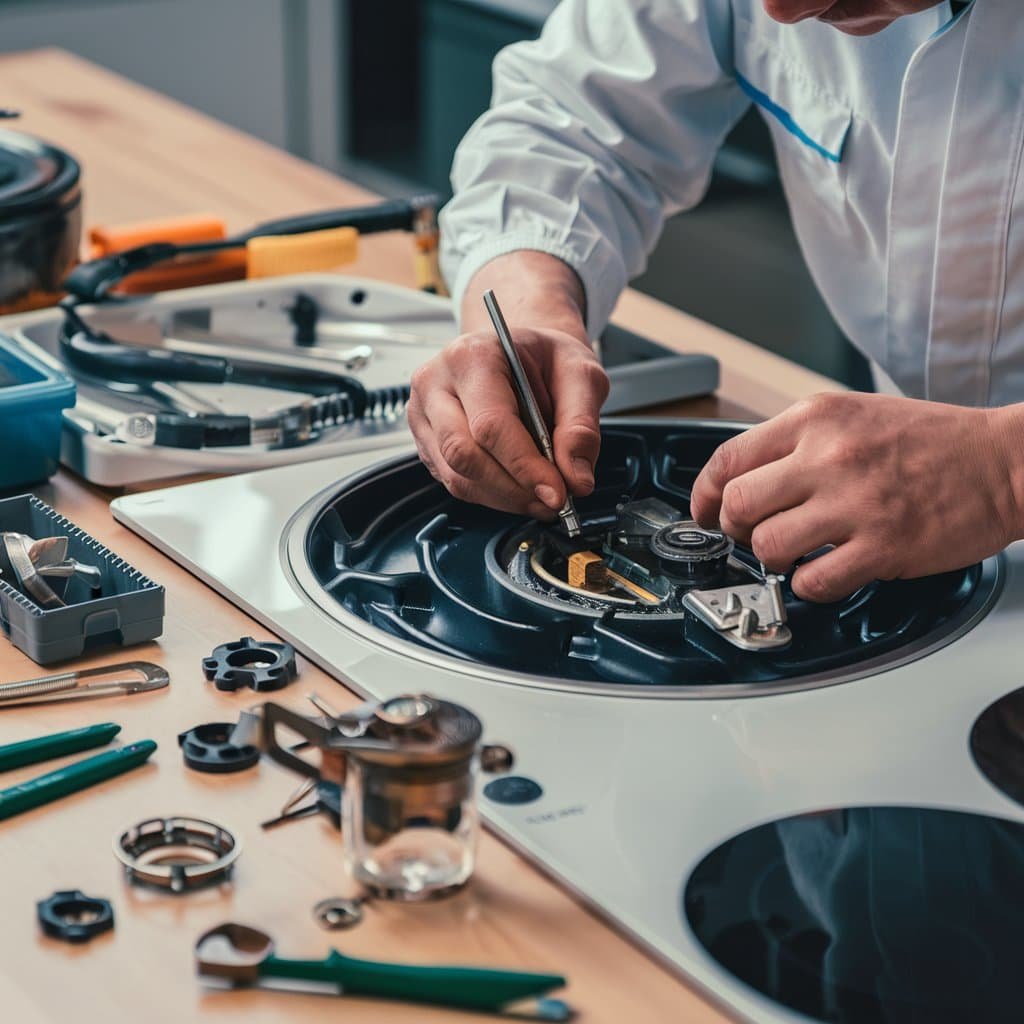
x=535 y=290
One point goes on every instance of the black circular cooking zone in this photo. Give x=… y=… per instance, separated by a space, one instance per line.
x=871 y=915
x=396 y=551
x=997 y=744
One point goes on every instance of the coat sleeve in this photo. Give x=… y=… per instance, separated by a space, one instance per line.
x=597 y=131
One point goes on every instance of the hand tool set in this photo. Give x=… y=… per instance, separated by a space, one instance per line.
x=397 y=776
x=251 y=374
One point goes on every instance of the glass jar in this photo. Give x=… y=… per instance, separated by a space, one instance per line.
x=410 y=833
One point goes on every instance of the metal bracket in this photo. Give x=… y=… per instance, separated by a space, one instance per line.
x=751 y=616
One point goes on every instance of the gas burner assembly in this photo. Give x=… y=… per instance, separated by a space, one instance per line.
x=643 y=598
x=685 y=821
x=649 y=559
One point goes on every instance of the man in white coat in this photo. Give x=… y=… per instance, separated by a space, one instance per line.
x=899 y=130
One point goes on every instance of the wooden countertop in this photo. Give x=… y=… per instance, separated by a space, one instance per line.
x=146 y=156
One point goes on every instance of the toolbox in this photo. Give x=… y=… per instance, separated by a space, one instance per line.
x=32 y=397
x=129 y=608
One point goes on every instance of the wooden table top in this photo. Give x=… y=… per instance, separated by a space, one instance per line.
x=145 y=156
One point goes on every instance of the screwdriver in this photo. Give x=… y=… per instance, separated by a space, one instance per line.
x=529 y=410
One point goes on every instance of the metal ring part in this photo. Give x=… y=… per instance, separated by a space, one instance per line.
x=177 y=853
x=339 y=913
x=75 y=917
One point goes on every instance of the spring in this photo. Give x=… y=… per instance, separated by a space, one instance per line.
x=38 y=687
x=344 y=407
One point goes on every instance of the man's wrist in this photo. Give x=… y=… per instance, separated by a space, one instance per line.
x=535 y=290
x=1008 y=435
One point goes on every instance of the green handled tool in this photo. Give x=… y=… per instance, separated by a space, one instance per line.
x=58 y=744
x=64 y=781
x=244 y=955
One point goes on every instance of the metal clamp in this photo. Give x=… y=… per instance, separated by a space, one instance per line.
x=750 y=616
x=69 y=686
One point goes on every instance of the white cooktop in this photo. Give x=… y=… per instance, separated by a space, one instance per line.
x=636 y=790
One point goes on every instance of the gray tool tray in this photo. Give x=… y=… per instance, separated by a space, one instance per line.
x=130 y=609
x=403 y=327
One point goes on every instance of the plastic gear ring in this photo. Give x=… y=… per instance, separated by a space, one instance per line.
x=260 y=666
x=75 y=917
x=208 y=748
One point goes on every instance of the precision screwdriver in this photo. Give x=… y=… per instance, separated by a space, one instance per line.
x=529 y=410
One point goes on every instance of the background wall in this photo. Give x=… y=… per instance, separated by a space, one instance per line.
x=382 y=90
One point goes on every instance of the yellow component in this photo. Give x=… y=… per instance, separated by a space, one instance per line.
x=637 y=591
x=587 y=571
x=425 y=260
x=273 y=255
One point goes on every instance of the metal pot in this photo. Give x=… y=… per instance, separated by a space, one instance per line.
x=40 y=221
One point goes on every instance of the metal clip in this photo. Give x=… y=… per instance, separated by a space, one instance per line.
x=750 y=616
x=69 y=686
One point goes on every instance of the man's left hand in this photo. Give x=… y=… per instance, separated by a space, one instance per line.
x=897 y=487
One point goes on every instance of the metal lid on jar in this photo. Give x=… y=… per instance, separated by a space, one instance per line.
x=425 y=729
x=33 y=174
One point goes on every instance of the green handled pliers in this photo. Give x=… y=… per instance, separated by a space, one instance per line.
x=244 y=955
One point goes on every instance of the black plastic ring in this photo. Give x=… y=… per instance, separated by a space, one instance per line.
x=61 y=916
x=208 y=748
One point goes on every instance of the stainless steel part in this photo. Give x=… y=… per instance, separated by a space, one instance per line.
x=529 y=409
x=751 y=616
x=177 y=853
x=69 y=685
x=200 y=343
x=35 y=561
x=340 y=912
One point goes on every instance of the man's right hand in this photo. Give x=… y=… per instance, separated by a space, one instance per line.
x=463 y=410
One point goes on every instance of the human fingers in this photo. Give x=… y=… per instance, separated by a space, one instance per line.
x=835 y=575
x=781 y=540
x=749 y=500
x=449 y=451
x=756 y=447
x=578 y=388
x=498 y=433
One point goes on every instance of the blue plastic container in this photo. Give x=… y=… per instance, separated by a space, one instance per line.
x=32 y=396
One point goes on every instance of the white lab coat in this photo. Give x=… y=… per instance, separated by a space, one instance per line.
x=900 y=155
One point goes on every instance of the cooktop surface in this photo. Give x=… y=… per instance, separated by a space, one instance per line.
x=672 y=710
x=870 y=914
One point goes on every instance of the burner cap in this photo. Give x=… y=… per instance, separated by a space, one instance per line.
x=685 y=541
x=686 y=550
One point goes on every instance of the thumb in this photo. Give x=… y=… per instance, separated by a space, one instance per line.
x=579 y=387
